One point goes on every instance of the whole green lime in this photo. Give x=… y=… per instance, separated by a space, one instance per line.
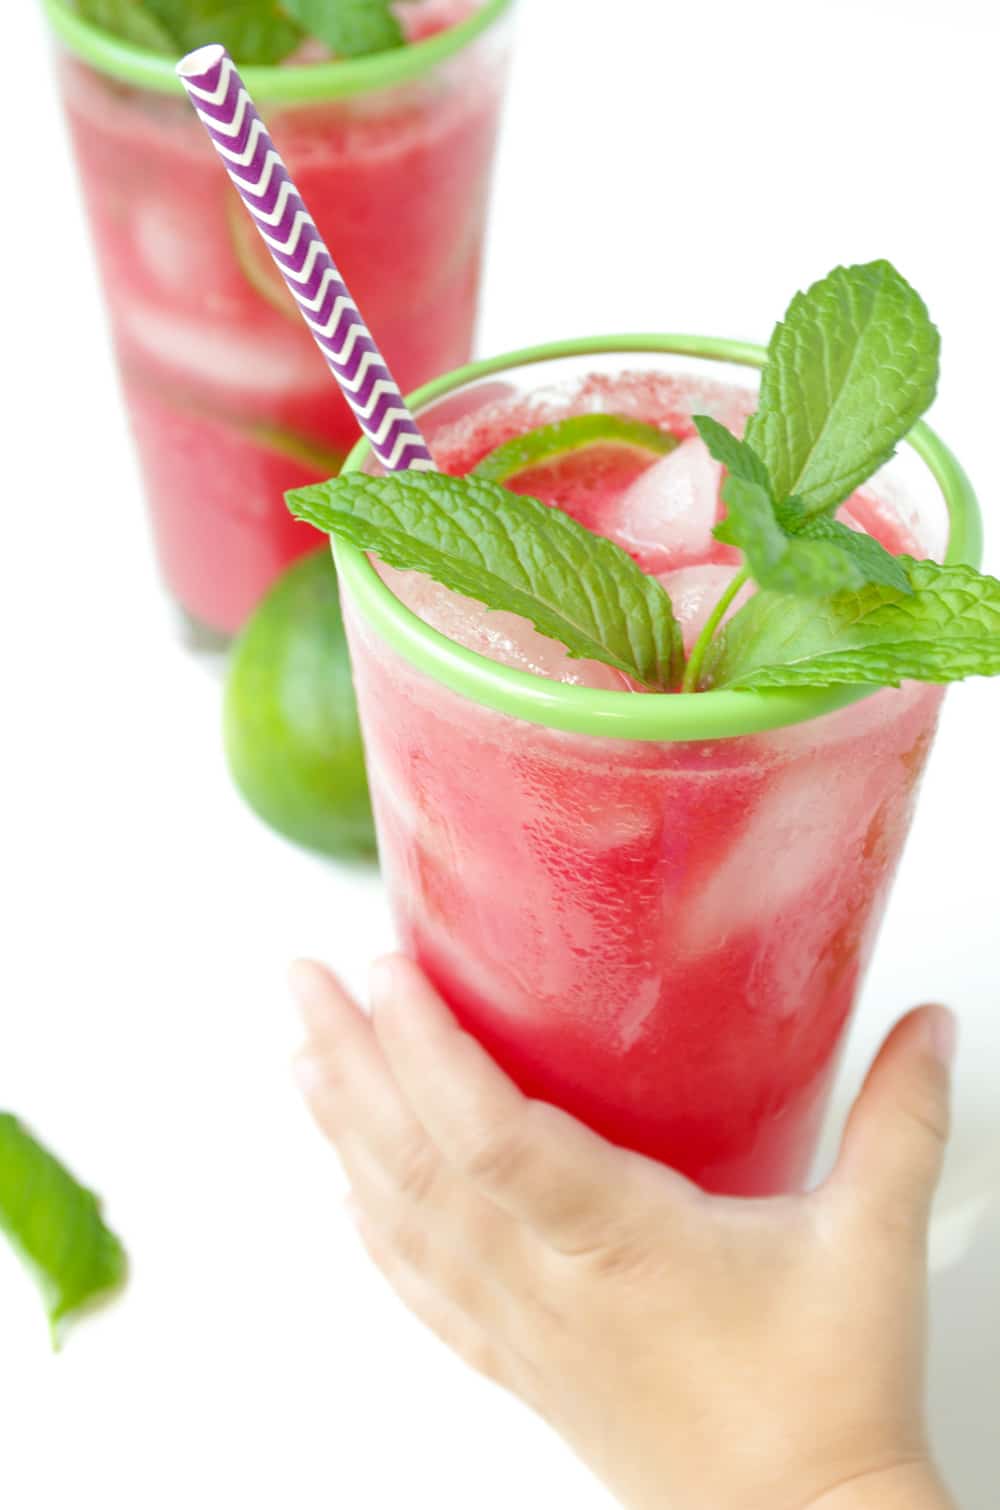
x=292 y=735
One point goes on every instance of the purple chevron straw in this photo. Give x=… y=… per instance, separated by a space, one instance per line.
x=240 y=137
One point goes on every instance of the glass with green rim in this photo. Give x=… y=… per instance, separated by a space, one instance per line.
x=230 y=400
x=623 y=715
x=646 y=919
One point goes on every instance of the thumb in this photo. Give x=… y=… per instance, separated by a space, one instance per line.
x=894 y=1144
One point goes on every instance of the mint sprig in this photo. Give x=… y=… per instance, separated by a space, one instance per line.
x=849 y=371
x=510 y=552
x=256 y=32
x=787 y=549
x=55 y=1224
x=947 y=628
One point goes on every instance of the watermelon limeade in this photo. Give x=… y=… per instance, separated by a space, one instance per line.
x=666 y=939
x=229 y=399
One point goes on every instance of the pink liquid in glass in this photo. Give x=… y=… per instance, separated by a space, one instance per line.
x=666 y=939
x=230 y=401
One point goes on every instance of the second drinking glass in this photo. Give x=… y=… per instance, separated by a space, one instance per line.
x=229 y=400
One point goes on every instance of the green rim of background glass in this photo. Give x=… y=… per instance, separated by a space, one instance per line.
x=318 y=81
x=624 y=715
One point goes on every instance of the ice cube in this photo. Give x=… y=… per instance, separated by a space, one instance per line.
x=665 y=519
x=231 y=355
x=801 y=831
x=502 y=637
x=694 y=592
x=170 y=257
x=845 y=516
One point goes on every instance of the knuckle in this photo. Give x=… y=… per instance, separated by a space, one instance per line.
x=930 y=1117
x=614 y=1257
x=894 y=1228
x=611 y=1250
x=415 y=1172
x=408 y=1244
x=496 y=1158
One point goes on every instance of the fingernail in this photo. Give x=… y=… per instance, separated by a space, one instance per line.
x=942 y=1032
x=308 y=1072
x=310 y=986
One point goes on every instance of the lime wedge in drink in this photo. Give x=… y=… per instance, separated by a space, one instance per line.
x=292 y=736
x=579 y=462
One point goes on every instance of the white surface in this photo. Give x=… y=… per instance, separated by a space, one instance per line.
x=707 y=159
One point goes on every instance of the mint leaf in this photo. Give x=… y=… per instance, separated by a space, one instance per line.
x=871 y=559
x=849 y=371
x=510 y=552
x=133 y=22
x=254 y=31
x=786 y=549
x=774 y=558
x=352 y=28
x=779 y=560
x=56 y=1226
x=737 y=456
x=947 y=629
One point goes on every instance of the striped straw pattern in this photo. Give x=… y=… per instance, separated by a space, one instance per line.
x=239 y=136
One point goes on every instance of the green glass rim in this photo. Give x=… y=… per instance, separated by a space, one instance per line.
x=665 y=717
x=277 y=84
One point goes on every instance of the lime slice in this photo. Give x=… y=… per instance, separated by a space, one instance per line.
x=256 y=263
x=276 y=439
x=292 y=735
x=293 y=445
x=568 y=437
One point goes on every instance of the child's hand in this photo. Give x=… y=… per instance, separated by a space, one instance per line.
x=698 y=1353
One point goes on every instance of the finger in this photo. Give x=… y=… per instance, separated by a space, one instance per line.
x=448 y=1319
x=342 y=1069
x=539 y=1164
x=894 y=1144
x=474 y=1250
x=331 y=1016
x=349 y=1089
x=385 y=1153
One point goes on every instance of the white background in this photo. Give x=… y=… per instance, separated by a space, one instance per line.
x=673 y=166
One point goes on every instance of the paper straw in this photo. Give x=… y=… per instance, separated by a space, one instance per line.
x=240 y=137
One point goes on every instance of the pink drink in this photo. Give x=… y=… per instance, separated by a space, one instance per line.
x=230 y=401
x=666 y=939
